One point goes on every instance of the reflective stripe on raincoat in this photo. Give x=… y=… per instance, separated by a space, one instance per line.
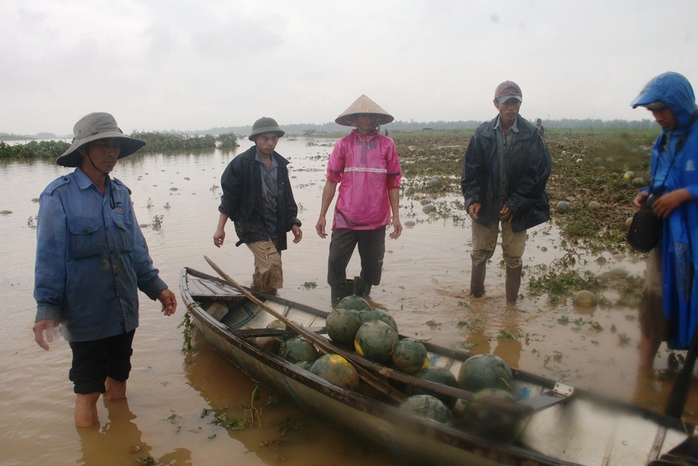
x=365 y=167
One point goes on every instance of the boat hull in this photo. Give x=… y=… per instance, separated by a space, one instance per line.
x=578 y=430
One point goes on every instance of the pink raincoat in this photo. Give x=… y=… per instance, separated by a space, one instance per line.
x=365 y=167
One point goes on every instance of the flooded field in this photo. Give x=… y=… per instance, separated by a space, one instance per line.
x=167 y=418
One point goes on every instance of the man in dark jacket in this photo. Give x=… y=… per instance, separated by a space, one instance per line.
x=505 y=169
x=257 y=197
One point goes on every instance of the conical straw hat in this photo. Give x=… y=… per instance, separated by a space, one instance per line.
x=363 y=105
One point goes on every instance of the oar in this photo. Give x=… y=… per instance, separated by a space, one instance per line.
x=679 y=393
x=319 y=341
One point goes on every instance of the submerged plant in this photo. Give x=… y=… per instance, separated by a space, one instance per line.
x=157 y=222
x=187 y=327
x=252 y=413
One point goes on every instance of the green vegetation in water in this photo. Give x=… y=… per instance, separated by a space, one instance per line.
x=432 y=324
x=33 y=150
x=172 y=142
x=156 y=142
x=227 y=142
x=252 y=413
x=187 y=327
x=157 y=222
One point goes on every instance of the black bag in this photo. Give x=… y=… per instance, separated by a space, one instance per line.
x=645 y=230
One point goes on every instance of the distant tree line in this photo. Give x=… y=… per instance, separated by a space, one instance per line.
x=398 y=125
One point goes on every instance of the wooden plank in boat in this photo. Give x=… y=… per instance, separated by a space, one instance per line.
x=206 y=289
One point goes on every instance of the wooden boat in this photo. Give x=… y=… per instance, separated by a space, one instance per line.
x=555 y=424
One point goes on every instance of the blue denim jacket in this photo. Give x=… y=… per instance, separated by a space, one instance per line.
x=91 y=259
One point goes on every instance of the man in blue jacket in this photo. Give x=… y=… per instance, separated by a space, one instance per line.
x=505 y=170
x=258 y=198
x=91 y=260
x=669 y=304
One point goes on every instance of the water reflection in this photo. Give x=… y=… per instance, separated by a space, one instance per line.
x=119 y=441
x=281 y=432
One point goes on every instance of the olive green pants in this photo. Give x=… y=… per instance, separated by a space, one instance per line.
x=485 y=241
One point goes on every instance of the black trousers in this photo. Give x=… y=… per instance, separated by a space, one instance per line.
x=371 y=249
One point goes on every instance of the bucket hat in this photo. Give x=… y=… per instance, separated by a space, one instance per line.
x=265 y=125
x=90 y=128
x=363 y=105
x=508 y=90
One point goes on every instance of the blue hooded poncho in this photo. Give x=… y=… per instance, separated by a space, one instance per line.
x=675 y=166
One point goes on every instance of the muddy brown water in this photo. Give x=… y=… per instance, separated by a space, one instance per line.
x=425 y=284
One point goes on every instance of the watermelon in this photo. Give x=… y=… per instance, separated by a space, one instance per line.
x=357 y=303
x=485 y=371
x=490 y=421
x=374 y=340
x=342 y=325
x=409 y=355
x=298 y=349
x=378 y=314
x=427 y=406
x=337 y=370
x=438 y=375
x=585 y=299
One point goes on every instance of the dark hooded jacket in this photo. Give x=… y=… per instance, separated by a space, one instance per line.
x=528 y=171
x=243 y=202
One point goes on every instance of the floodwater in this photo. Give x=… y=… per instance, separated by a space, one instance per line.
x=425 y=284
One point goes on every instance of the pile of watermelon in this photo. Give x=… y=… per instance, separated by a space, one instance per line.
x=373 y=334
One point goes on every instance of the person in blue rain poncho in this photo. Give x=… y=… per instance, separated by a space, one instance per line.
x=669 y=307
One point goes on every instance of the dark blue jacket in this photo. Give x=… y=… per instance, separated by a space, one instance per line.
x=528 y=171
x=91 y=259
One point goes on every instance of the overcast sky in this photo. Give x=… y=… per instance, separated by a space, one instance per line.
x=194 y=65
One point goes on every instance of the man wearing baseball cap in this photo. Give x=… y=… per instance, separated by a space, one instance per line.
x=257 y=196
x=505 y=170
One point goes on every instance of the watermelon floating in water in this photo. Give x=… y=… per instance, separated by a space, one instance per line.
x=342 y=325
x=485 y=371
x=337 y=370
x=585 y=299
x=427 y=406
x=438 y=375
x=298 y=349
x=378 y=314
x=354 y=302
x=409 y=355
x=375 y=341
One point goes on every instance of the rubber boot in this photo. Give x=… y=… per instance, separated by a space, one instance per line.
x=361 y=287
x=477 y=280
x=512 y=284
x=339 y=292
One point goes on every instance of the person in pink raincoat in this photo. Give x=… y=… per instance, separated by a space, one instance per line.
x=366 y=167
